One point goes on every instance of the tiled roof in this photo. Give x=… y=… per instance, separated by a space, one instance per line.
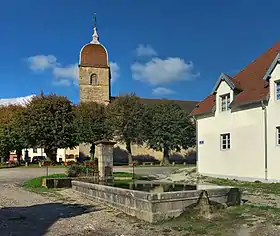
x=94 y=55
x=249 y=81
x=187 y=106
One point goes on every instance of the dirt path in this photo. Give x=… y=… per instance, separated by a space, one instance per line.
x=68 y=214
x=26 y=213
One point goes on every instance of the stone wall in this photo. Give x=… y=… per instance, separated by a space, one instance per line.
x=154 y=207
x=137 y=152
x=99 y=92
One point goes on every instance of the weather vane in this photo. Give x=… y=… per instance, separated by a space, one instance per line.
x=94 y=19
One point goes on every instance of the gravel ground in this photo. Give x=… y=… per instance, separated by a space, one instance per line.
x=66 y=213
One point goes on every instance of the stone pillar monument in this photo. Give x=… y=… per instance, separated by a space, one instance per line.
x=104 y=152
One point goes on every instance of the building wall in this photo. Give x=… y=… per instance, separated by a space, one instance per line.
x=98 y=93
x=144 y=151
x=273 y=120
x=136 y=150
x=61 y=153
x=245 y=158
x=32 y=152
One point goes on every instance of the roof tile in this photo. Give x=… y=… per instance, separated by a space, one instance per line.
x=249 y=81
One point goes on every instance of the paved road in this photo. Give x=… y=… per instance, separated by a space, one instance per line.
x=19 y=175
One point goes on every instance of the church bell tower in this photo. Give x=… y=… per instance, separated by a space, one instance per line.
x=94 y=71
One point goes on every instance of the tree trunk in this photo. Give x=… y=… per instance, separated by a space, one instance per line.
x=51 y=154
x=92 y=151
x=165 y=159
x=128 y=148
x=6 y=156
x=19 y=155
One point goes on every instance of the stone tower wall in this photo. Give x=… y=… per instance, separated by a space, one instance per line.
x=99 y=92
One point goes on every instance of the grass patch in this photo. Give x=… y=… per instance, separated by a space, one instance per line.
x=122 y=174
x=224 y=222
x=125 y=174
x=35 y=184
x=273 y=188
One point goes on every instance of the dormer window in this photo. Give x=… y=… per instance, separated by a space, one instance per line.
x=277 y=90
x=93 y=79
x=225 y=101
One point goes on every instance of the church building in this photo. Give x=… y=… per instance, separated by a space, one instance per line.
x=95 y=85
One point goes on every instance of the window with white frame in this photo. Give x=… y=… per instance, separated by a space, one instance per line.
x=34 y=150
x=278 y=135
x=225 y=101
x=277 y=90
x=225 y=141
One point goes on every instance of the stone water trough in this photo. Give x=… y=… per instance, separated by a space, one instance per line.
x=157 y=205
x=152 y=202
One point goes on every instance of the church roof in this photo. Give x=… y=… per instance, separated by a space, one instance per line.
x=94 y=55
x=187 y=106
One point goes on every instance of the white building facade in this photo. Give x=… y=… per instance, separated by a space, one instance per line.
x=63 y=155
x=238 y=125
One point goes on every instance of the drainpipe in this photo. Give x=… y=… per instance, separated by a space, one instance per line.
x=265 y=139
x=196 y=148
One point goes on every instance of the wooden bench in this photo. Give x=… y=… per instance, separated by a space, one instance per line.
x=148 y=163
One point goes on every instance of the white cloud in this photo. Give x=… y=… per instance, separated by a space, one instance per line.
x=16 y=101
x=145 y=51
x=158 y=71
x=115 y=71
x=41 y=62
x=62 y=82
x=63 y=75
x=162 y=91
x=66 y=75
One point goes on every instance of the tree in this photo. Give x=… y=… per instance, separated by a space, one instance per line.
x=11 y=136
x=92 y=125
x=49 y=124
x=5 y=145
x=126 y=115
x=17 y=136
x=170 y=128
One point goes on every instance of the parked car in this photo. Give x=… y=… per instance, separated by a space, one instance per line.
x=37 y=159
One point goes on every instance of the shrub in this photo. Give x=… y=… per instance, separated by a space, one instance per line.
x=75 y=170
x=69 y=163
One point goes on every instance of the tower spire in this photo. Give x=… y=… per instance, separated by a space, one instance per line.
x=95 y=36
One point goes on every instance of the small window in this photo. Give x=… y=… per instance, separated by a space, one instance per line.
x=34 y=150
x=277 y=92
x=278 y=135
x=225 y=141
x=93 y=79
x=225 y=101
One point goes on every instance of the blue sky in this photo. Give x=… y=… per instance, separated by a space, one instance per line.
x=172 y=49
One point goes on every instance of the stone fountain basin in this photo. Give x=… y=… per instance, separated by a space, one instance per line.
x=155 y=207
